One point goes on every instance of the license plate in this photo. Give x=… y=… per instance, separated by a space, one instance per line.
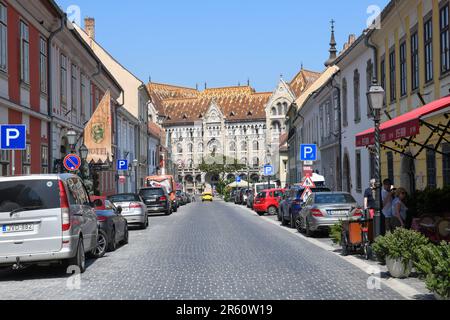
x=151 y=201
x=13 y=228
x=338 y=212
x=125 y=209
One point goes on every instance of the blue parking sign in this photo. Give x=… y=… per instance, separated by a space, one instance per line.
x=13 y=137
x=308 y=152
x=122 y=165
x=238 y=179
x=268 y=170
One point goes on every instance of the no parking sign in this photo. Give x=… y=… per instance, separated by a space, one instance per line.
x=72 y=162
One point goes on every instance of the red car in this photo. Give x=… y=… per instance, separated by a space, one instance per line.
x=268 y=201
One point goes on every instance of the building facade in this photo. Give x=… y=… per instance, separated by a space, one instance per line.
x=24 y=81
x=135 y=99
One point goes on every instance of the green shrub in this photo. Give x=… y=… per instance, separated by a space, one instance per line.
x=336 y=233
x=400 y=244
x=433 y=264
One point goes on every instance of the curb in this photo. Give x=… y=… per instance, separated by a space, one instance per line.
x=401 y=288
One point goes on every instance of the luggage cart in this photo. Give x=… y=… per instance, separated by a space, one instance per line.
x=358 y=236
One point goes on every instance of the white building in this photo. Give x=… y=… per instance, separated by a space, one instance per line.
x=356 y=70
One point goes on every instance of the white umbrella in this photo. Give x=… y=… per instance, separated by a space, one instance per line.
x=241 y=184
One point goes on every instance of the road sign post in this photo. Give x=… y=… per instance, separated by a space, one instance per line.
x=308 y=152
x=13 y=138
x=72 y=162
x=268 y=172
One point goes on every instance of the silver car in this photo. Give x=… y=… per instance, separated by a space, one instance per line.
x=45 y=219
x=133 y=207
x=323 y=210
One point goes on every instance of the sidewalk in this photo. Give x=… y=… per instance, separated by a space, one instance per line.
x=411 y=288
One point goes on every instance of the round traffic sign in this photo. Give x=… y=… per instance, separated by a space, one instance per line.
x=72 y=162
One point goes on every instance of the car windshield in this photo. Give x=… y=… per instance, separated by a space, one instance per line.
x=38 y=194
x=151 y=192
x=264 y=187
x=124 y=198
x=334 y=198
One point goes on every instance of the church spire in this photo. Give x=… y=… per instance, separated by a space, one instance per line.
x=333 y=50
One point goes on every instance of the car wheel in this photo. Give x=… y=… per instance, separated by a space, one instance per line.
x=309 y=233
x=272 y=211
x=283 y=221
x=146 y=221
x=112 y=243
x=298 y=225
x=126 y=235
x=292 y=221
x=80 y=258
x=175 y=209
x=102 y=244
x=279 y=214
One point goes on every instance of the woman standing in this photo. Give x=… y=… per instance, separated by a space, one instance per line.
x=399 y=209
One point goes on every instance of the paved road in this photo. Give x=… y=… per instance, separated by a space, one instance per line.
x=204 y=251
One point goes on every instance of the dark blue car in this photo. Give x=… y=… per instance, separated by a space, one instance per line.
x=291 y=205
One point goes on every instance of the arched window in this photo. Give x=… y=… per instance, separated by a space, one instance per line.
x=244 y=146
x=357 y=96
x=276 y=127
x=255 y=162
x=190 y=163
x=344 y=103
x=190 y=148
x=179 y=148
x=274 y=111
x=232 y=147
x=255 y=145
x=244 y=160
x=280 y=109
x=285 y=107
x=200 y=148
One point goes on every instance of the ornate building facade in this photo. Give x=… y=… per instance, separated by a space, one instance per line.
x=236 y=122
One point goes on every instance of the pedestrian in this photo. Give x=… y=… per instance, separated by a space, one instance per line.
x=386 y=196
x=369 y=196
x=399 y=209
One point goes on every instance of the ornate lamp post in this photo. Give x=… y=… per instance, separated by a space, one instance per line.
x=376 y=99
x=72 y=138
x=84 y=151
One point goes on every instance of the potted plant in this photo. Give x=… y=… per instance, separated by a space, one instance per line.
x=336 y=232
x=433 y=264
x=399 y=249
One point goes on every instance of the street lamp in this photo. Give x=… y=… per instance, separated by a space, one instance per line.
x=72 y=138
x=84 y=151
x=376 y=99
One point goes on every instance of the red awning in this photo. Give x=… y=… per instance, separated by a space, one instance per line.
x=404 y=126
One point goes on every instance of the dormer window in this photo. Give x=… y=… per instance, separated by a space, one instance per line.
x=249 y=114
x=185 y=116
x=232 y=114
x=200 y=116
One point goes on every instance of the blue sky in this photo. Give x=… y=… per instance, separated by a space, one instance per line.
x=222 y=42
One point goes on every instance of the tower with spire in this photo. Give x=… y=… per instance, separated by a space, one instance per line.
x=333 y=50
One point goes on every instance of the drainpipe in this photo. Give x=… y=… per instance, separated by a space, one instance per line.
x=338 y=89
x=50 y=91
x=375 y=53
x=116 y=120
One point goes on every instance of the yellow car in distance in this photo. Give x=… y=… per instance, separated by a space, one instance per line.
x=207 y=196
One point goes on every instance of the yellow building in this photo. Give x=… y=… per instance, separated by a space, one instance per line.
x=412 y=47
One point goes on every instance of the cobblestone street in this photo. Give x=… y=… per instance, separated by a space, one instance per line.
x=204 y=251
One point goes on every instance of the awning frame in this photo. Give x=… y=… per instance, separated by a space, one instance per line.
x=441 y=130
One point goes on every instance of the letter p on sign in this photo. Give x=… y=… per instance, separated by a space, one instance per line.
x=308 y=152
x=13 y=137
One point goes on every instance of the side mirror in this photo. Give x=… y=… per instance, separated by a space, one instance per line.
x=119 y=209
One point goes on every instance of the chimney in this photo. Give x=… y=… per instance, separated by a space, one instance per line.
x=89 y=27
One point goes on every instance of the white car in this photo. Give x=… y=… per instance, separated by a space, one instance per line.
x=46 y=219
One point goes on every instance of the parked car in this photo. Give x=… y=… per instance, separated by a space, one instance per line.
x=267 y=201
x=46 y=219
x=181 y=199
x=323 y=210
x=133 y=208
x=113 y=227
x=260 y=186
x=291 y=204
x=232 y=195
x=157 y=200
x=207 y=196
x=251 y=199
x=237 y=196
